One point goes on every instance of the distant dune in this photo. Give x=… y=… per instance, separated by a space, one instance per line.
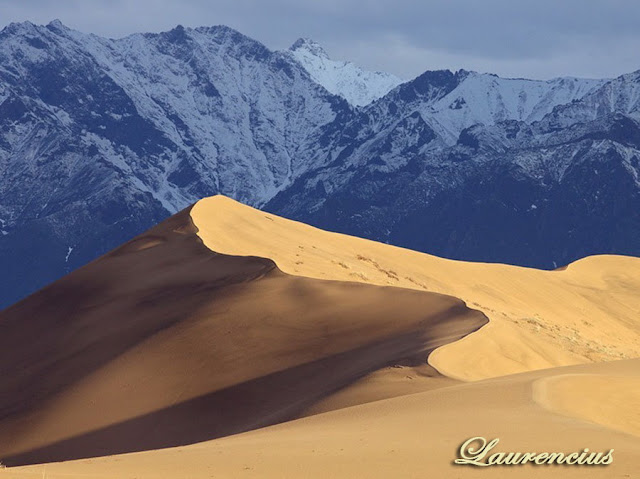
x=225 y=319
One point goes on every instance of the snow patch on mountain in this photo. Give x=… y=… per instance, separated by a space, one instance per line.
x=359 y=87
x=225 y=109
x=620 y=95
x=487 y=99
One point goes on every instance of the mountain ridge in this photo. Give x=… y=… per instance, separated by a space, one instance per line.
x=102 y=138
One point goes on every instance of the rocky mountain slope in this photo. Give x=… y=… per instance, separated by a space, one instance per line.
x=536 y=193
x=102 y=138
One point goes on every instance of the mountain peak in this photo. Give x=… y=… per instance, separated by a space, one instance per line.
x=178 y=34
x=359 y=87
x=57 y=24
x=224 y=33
x=310 y=46
x=19 y=27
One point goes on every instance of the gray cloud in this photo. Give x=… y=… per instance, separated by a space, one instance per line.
x=538 y=39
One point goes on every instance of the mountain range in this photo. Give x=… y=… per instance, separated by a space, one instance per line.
x=102 y=138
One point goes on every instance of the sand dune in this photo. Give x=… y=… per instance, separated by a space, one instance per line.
x=163 y=342
x=589 y=311
x=226 y=319
x=406 y=437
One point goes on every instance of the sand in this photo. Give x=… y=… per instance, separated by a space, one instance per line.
x=586 y=312
x=610 y=400
x=412 y=436
x=226 y=319
x=163 y=342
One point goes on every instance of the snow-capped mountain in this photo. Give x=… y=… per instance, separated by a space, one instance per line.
x=359 y=87
x=535 y=193
x=488 y=99
x=436 y=107
x=620 y=95
x=452 y=102
x=102 y=138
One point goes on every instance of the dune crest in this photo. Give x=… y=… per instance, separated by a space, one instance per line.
x=163 y=342
x=586 y=312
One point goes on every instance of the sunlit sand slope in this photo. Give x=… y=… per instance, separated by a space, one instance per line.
x=589 y=311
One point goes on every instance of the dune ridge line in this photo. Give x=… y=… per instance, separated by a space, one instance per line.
x=585 y=312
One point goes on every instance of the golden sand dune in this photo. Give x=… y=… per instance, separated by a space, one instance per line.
x=589 y=311
x=413 y=436
x=163 y=342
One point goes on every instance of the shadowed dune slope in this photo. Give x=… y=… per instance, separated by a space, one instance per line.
x=586 y=312
x=163 y=342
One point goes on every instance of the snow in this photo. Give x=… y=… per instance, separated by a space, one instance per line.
x=359 y=87
x=244 y=142
x=620 y=95
x=257 y=129
x=66 y=258
x=487 y=99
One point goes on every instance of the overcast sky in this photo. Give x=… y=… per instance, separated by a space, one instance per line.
x=515 y=38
